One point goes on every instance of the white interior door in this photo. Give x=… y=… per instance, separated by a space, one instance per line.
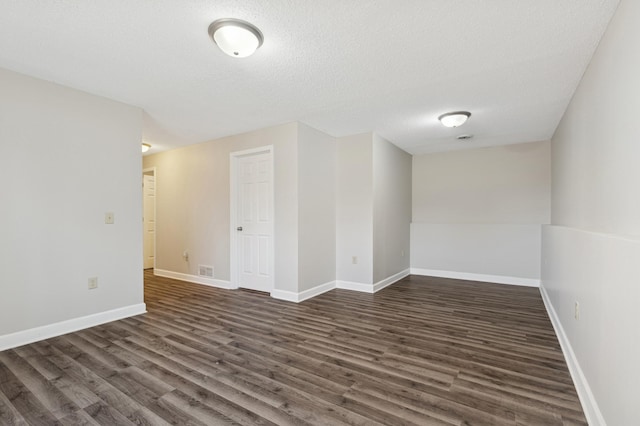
x=149 y=220
x=254 y=221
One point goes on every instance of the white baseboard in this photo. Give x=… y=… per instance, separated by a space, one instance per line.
x=390 y=280
x=31 y=335
x=315 y=291
x=372 y=288
x=588 y=401
x=497 y=279
x=345 y=285
x=196 y=279
x=303 y=295
x=354 y=286
x=289 y=296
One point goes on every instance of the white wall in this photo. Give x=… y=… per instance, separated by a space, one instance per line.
x=193 y=204
x=66 y=158
x=354 y=210
x=591 y=252
x=317 y=208
x=504 y=184
x=391 y=209
x=500 y=253
x=324 y=209
x=477 y=213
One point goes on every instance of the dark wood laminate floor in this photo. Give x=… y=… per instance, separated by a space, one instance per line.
x=423 y=351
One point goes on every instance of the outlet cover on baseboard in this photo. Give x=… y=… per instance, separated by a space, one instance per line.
x=205 y=271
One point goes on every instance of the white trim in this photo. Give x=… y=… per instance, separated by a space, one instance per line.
x=373 y=288
x=155 y=212
x=252 y=151
x=304 y=295
x=289 y=296
x=316 y=291
x=497 y=279
x=597 y=234
x=390 y=280
x=31 y=335
x=588 y=401
x=345 y=285
x=354 y=286
x=233 y=197
x=196 y=279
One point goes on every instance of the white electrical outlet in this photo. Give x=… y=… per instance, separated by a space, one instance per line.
x=402 y=253
x=93 y=283
x=576 y=312
x=109 y=218
x=185 y=255
x=354 y=260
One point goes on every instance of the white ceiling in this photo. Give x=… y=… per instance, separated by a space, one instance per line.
x=341 y=66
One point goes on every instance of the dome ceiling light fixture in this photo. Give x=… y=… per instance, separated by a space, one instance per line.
x=235 y=37
x=454 y=119
x=146 y=147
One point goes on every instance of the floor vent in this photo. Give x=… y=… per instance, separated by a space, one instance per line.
x=205 y=271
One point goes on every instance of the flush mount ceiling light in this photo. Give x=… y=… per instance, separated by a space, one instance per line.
x=146 y=147
x=235 y=37
x=454 y=119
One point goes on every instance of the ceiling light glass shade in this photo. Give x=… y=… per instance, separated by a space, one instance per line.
x=146 y=147
x=454 y=119
x=235 y=37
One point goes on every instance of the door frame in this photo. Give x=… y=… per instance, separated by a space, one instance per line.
x=233 y=211
x=153 y=171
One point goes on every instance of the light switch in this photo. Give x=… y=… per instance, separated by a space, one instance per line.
x=109 y=218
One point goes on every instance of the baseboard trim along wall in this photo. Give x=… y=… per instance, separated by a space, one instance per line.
x=372 y=288
x=588 y=401
x=36 y=334
x=291 y=296
x=196 y=279
x=355 y=286
x=344 y=285
x=497 y=279
x=390 y=280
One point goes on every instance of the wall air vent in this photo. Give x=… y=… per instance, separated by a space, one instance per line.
x=205 y=271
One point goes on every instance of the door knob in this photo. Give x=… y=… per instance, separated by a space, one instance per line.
x=239 y=228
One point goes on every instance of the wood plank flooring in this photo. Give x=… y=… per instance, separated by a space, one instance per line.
x=425 y=351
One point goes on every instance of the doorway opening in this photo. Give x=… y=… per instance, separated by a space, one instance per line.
x=149 y=218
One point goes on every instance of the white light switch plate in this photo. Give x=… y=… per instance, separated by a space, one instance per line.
x=93 y=283
x=109 y=218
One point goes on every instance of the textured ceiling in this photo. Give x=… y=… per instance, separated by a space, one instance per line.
x=341 y=66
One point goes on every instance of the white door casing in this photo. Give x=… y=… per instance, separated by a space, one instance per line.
x=252 y=260
x=149 y=220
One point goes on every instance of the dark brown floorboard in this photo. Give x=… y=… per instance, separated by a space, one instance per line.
x=425 y=351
